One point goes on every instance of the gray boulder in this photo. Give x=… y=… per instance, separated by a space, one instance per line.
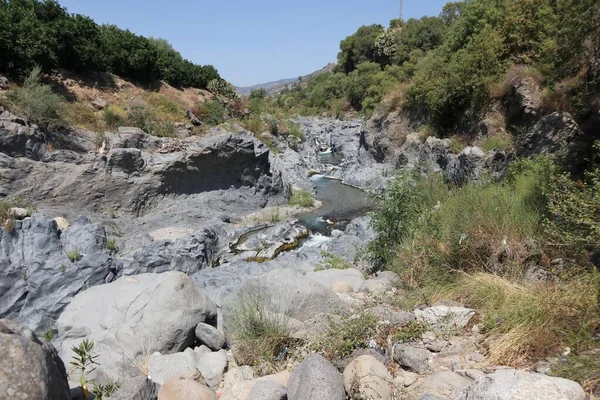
x=315 y=378
x=29 y=369
x=268 y=390
x=3 y=82
x=136 y=388
x=189 y=254
x=556 y=134
x=412 y=358
x=474 y=165
x=210 y=336
x=442 y=384
x=510 y=384
x=162 y=367
x=328 y=277
x=37 y=278
x=287 y=292
x=266 y=245
x=446 y=318
x=134 y=316
x=212 y=366
x=524 y=101
x=125 y=160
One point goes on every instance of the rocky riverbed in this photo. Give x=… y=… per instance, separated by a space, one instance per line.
x=140 y=244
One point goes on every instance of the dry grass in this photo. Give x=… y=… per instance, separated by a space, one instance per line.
x=501 y=140
x=138 y=361
x=526 y=321
x=514 y=74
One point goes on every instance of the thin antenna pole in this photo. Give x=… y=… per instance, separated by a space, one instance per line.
x=401 y=10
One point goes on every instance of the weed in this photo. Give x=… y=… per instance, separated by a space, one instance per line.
x=74 y=254
x=254 y=125
x=342 y=337
x=111 y=244
x=84 y=360
x=411 y=332
x=497 y=142
x=302 y=198
x=258 y=331
x=114 y=116
x=332 y=261
x=275 y=215
x=529 y=320
x=37 y=101
x=48 y=335
x=7 y=220
x=584 y=369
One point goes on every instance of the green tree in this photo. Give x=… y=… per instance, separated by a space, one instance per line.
x=359 y=47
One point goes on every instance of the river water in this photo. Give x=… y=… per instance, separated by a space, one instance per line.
x=341 y=204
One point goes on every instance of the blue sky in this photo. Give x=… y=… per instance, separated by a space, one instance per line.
x=252 y=42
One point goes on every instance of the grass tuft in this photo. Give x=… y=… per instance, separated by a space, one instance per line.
x=302 y=198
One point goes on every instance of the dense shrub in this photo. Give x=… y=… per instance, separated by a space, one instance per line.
x=211 y=112
x=43 y=33
x=302 y=198
x=37 y=101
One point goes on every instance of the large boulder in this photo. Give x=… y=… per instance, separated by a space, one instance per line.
x=188 y=254
x=555 y=134
x=315 y=378
x=133 y=316
x=445 y=318
x=266 y=245
x=473 y=165
x=136 y=388
x=268 y=390
x=210 y=336
x=442 y=384
x=285 y=291
x=510 y=384
x=412 y=358
x=29 y=369
x=354 y=278
x=367 y=378
x=127 y=161
x=37 y=276
x=524 y=100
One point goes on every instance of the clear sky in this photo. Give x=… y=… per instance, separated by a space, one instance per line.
x=252 y=42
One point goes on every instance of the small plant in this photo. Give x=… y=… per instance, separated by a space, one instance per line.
x=274 y=127
x=74 y=254
x=163 y=129
x=302 y=198
x=7 y=220
x=84 y=361
x=411 y=332
x=259 y=331
x=38 y=102
x=111 y=213
x=138 y=116
x=497 y=142
x=111 y=244
x=275 y=215
x=48 y=335
x=62 y=268
x=332 y=261
x=211 y=113
x=254 y=125
x=114 y=117
x=106 y=390
x=341 y=338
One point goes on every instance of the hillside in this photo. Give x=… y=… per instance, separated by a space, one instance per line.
x=277 y=86
x=419 y=221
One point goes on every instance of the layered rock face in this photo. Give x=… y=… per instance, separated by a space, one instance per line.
x=42 y=269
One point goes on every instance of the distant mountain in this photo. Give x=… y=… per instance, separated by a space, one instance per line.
x=277 y=86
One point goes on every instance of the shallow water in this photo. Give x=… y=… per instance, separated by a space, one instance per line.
x=341 y=204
